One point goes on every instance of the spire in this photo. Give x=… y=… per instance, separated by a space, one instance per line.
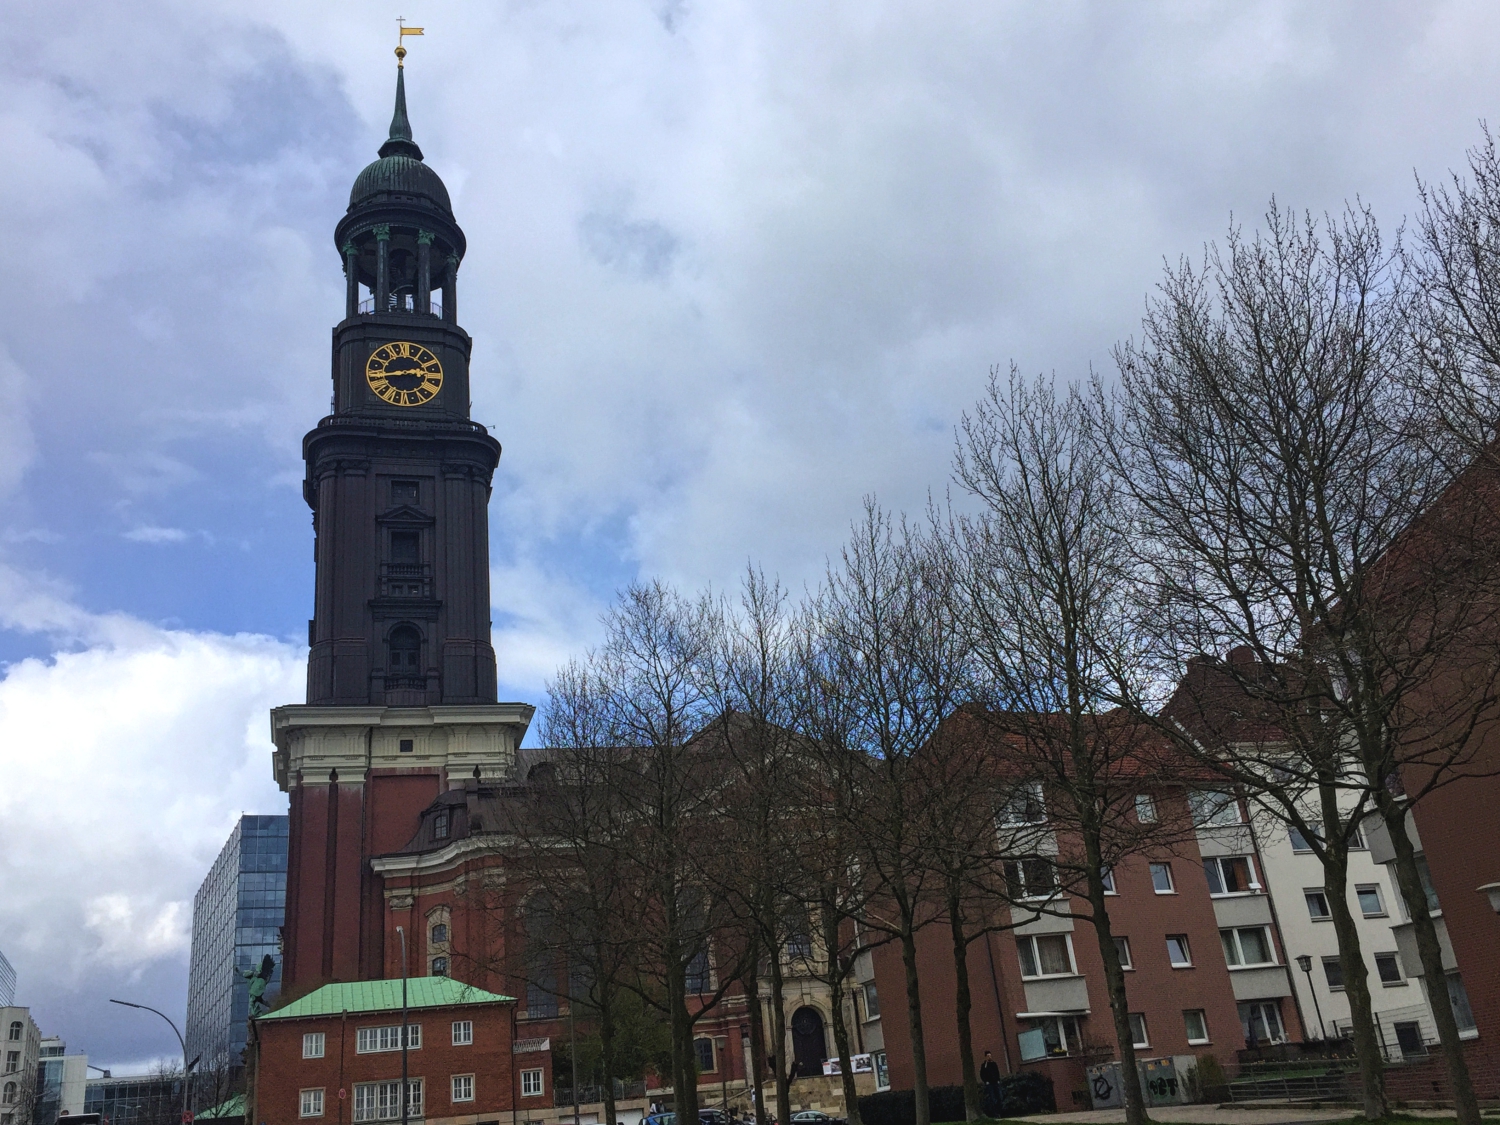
x=400 y=141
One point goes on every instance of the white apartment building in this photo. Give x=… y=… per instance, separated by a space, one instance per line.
x=20 y=1048
x=1294 y=877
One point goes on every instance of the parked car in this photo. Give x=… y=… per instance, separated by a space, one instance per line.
x=705 y=1117
x=816 y=1117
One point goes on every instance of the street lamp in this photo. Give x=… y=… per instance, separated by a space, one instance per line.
x=187 y=1067
x=1304 y=963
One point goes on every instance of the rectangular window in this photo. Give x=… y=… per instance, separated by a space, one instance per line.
x=369 y=1040
x=1388 y=965
x=463 y=1087
x=381 y=1101
x=882 y=1071
x=312 y=1045
x=1458 y=996
x=1122 y=947
x=1045 y=955
x=1031 y=877
x=1145 y=809
x=312 y=1103
x=1260 y=1020
x=1317 y=904
x=1161 y=879
x=1214 y=810
x=406 y=546
x=872 y=1002
x=704 y=1048
x=1138 y=1036
x=531 y=1083
x=1197 y=1025
x=1333 y=973
x=1299 y=840
x=1230 y=875
x=1025 y=806
x=1370 y=904
x=463 y=1033
x=1107 y=876
x=1178 y=953
x=1050 y=1037
x=12 y=1061
x=1248 y=946
x=404 y=492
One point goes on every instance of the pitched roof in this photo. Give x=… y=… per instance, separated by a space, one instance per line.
x=385 y=996
x=234 y=1107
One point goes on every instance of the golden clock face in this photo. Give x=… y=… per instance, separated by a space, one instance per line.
x=404 y=374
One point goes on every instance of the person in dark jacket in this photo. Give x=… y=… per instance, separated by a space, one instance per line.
x=989 y=1075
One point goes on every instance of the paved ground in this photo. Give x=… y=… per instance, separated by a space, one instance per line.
x=1213 y=1115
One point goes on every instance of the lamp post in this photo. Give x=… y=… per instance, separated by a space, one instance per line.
x=187 y=1067
x=1304 y=963
x=405 y=1099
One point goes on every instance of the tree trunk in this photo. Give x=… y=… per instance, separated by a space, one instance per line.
x=778 y=1035
x=841 y=1044
x=914 y=1021
x=607 y=1055
x=757 y=1042
x=1352 y=963
x=1409 y=879
x=963 y=1005
x=1114 y=983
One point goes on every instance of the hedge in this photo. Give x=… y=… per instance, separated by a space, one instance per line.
x=1020 y=1094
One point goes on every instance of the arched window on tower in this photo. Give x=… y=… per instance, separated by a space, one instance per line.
x=15 y=1031
x=406 y=652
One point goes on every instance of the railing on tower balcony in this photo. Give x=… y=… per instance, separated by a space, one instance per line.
x=406 y=580
x=403 y=303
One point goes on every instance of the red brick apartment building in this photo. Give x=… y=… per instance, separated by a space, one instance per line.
x=1046 y=975
x=334 y=1056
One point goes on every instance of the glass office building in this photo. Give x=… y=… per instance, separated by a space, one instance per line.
x=237 y=916
x=7 y=983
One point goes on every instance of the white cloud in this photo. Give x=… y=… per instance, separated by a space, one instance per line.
x=158 y=535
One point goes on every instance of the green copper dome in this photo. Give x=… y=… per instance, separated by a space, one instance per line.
x=400 y=170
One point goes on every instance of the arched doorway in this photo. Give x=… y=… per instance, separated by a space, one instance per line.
x=808 y=1044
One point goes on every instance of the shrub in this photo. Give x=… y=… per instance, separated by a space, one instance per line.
x=1022 y=1093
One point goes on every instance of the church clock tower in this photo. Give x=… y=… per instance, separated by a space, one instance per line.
x=401 y=700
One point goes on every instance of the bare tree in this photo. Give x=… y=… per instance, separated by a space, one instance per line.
x=1290 y=506
x=1048 y=599
x=884 y=666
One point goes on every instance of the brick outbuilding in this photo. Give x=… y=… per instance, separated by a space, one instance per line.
x=334 y=1056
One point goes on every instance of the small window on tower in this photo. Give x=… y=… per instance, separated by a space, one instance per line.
x=440 y=826
x=404 y=492
x=405 y=546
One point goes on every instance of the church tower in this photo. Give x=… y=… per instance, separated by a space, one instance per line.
x=401 y=699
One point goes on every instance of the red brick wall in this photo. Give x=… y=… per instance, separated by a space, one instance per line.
x=282 y=1072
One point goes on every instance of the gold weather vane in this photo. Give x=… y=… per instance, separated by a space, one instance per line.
x=401 y=38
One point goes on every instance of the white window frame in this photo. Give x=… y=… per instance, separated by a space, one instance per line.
x=1215 y=862
x=461 y=1087
x=1263 y=1006
x=1029 y=941
x=1187 y=1025
x=1122 y=944
x=1187 y=947
x=1028 y=797
x=1062 y=1025
x=1360 y=889
x=310 y=1102
x=1339 y=965
x=1233 y=940
x=377 y=1040
x=1027 y=895
x=1107 y=877
x=463 y=1033
x=381 y=1101
x=1171 y=882
x=1140 y=1034
x=872 y=1001
x=1145 y=808
x=314 y=1043
x=1395 y=959
x=1200 y=799
x=1308 y=894
x=533 y=1083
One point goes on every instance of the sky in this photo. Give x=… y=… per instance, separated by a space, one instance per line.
x=732 y=266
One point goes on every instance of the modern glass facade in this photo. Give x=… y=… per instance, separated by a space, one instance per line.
x=143 y=1100
x=7 y=983
x=237 y=916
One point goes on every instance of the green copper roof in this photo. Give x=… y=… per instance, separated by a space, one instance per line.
x=385 y=996
x=234 y=1107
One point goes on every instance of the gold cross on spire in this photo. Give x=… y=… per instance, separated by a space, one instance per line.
x=401 y=38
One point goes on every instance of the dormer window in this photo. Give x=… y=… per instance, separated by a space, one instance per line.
x=440 y=826
x=404 y=492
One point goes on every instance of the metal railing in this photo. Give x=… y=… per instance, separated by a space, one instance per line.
x=403 y=303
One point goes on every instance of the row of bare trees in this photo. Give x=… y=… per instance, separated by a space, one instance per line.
x=1265 y=560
